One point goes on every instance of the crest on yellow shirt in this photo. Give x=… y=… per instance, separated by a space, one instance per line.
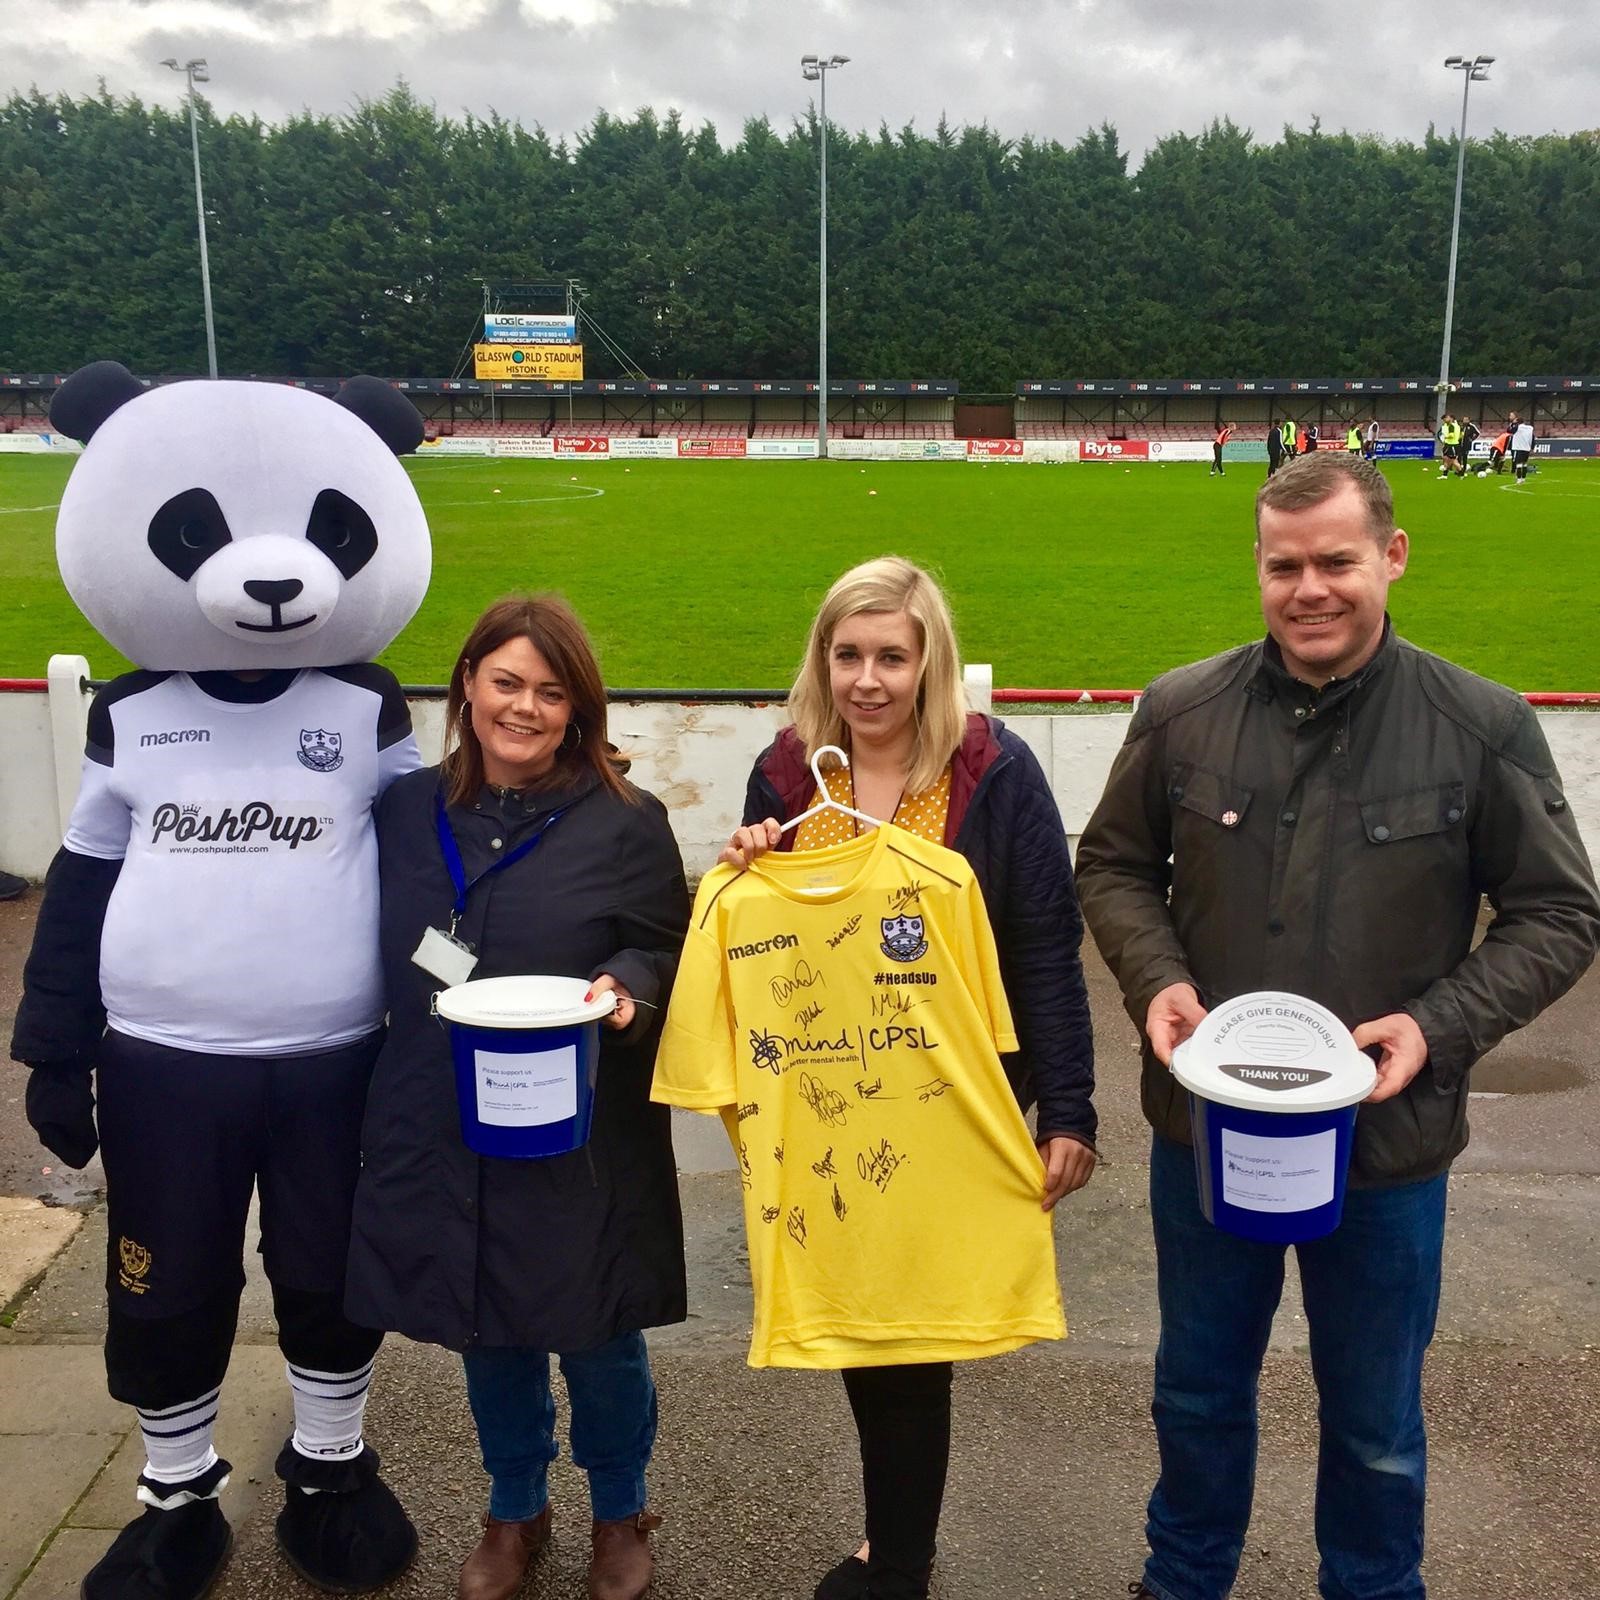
x=902 y=938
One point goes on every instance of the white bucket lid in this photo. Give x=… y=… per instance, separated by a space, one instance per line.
x=524 y=1002
x=1271 y=1051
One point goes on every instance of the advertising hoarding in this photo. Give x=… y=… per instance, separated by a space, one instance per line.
x=705 y=449
x=519 y=362
x=644 y=449
x=506 y=327
x=1198 y=450
x=1114 y=450
x=780 y=449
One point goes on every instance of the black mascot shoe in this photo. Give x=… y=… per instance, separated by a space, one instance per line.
x=351 y=1535
x=164 y=1555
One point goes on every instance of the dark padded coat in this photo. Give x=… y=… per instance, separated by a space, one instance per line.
x=1256 y=833
x=558 y=1253
x=1003 y=819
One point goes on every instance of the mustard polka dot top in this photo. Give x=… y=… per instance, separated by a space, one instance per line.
x=922 y=814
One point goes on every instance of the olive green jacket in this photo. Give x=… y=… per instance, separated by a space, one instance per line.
x=1256 y=833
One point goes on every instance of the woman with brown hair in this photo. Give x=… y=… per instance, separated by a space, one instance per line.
x=509 y=1260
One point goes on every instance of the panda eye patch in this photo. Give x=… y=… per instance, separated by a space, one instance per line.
x=187 y=531
x=342 y=531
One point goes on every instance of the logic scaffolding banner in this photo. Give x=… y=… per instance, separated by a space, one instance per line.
x=509 y=361
x=506 y=327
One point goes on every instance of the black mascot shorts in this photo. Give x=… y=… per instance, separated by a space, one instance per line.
x=186 y=1137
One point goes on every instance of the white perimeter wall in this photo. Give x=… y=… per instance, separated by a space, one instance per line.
x=697 y=758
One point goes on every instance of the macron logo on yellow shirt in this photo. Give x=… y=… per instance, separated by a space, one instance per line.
x=762 y=947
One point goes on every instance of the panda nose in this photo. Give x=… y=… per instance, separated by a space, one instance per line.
x=275 y=593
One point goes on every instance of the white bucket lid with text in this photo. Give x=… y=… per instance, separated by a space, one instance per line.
x=1271 y=1051
x=524 y=1002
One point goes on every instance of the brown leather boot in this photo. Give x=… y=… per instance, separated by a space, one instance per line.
x=495 y=1570
x=622 y=1562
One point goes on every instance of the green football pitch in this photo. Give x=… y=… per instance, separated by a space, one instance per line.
x=705 y=574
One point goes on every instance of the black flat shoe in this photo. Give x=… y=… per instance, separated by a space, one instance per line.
x=163 y=1555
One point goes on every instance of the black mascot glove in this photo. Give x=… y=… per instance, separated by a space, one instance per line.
x=61 y=1110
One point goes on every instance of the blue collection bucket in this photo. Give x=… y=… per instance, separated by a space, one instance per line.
x=1274 y=1081
x=526 y=1051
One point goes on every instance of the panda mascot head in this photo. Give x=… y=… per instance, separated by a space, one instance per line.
x=223 y=526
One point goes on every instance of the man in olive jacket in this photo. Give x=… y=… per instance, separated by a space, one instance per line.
x=1323 y=812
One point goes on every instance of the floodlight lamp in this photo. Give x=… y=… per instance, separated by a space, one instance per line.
x=200 y=75
x=808 y=61
x=1485 y=61
x=838 y=61
x=172 y=61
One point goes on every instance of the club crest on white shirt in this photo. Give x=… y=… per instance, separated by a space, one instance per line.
x=320 y=750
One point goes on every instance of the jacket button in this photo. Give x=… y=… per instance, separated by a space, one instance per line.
x=1299 y=713
x=1380 y=833
x=494 y=844
x=1453 y=814
x=1275 y=926
x=1177 y=791
x=1553 y=806
x=1287 y=819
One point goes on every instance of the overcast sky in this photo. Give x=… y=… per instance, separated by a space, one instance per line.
x=1051 y=68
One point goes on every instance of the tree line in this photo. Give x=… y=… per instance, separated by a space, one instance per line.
x=357 y=242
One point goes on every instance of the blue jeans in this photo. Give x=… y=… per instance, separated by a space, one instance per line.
x=613 y=1401
x=1371 y=1291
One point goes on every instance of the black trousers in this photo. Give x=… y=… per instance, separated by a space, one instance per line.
x=1216 y=458
x=903 y=1420
x=186 y=1139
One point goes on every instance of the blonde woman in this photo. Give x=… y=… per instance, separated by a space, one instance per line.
x=882 y=679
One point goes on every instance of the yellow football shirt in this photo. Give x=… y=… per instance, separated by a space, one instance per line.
x=842 y=1009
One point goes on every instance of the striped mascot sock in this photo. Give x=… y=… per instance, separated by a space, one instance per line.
x=181 y=1462
x=328 y=1408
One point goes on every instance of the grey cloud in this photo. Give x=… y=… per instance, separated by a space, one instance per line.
x=1050 y=68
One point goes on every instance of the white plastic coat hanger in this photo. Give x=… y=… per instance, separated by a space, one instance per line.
x=828 y=803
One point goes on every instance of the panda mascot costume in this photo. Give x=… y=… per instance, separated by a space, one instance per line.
x=207 y=948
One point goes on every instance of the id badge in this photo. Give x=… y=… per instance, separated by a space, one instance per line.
x=444 y=957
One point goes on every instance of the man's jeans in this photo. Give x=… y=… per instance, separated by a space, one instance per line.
x=1371 y=1292
x=613 y=1401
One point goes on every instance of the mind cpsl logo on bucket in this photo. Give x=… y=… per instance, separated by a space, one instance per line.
x=1273 y=1081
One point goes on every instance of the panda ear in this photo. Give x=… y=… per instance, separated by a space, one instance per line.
x=89 y=396
x=385 y=410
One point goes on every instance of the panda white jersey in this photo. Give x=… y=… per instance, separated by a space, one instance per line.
x=244 y=920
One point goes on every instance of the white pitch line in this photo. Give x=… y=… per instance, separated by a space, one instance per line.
x=17 y=511
x=582 y=492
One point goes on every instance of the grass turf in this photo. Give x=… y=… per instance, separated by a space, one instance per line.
x=706 y=574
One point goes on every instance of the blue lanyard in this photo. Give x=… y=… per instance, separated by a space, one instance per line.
x=457 y=868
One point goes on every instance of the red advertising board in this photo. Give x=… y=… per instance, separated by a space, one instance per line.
x=994 y=447
x=582 y=445
x=1114 y=450
x=711 y=447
